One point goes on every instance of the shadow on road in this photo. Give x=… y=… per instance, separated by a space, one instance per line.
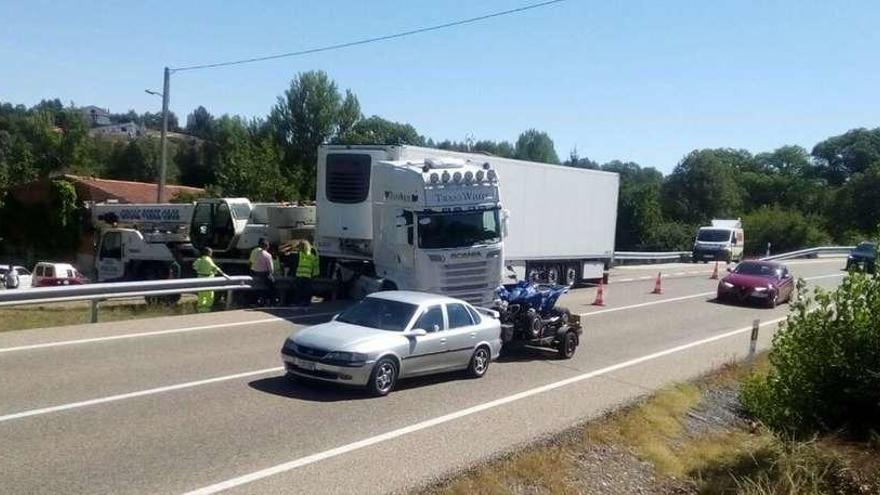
x=316 y=391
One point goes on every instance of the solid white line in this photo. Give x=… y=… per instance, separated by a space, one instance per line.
x=344 y=449
x=157 y=332
x=131 y=395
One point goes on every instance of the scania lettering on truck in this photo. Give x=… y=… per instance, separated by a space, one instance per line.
x=721 y=241
x=462 y=233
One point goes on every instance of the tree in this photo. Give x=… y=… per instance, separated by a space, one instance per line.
x=855 y=207
x=785 y=230
x=841 y=156
x=376 y=130
x=703 y=186
x=247 y=165
x=200 y=123
x=574 y=160
x=536 y=146
x=310 y=113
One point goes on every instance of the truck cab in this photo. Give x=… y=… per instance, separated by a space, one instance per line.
x=721 y=241
x=433 y=225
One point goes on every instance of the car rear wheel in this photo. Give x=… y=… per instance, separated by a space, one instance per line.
x=479 y=364
x=383 y=378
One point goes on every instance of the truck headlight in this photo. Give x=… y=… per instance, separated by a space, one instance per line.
x=346 y=357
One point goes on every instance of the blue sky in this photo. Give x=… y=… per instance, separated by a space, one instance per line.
x=637 y=80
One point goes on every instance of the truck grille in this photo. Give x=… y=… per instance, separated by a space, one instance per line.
x=467 y=281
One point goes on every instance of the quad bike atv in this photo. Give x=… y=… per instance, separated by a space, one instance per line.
x=529 y=317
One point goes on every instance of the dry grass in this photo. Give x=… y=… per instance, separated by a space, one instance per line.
x=26 y=317
x=734 y=459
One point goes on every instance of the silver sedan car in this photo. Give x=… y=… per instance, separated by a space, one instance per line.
x=392 y=335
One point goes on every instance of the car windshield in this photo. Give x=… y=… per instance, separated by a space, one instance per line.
x=713 y=235
x=757 y=269
x=383 y=314
x=866 y=247
x=458 y=229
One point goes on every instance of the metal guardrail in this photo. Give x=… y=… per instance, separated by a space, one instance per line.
x=122 y=290
x=622 y=257
x=810 y=253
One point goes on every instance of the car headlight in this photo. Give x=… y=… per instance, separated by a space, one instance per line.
x=727 y=285
x=346 y=357
x=760 y=289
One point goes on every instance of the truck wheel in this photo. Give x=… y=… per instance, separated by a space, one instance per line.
x=553 y=275
x=567 y=345
x=571 y=275
x=533 y=274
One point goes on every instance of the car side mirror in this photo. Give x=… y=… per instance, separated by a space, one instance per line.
x=729 y=269
x=416 y=332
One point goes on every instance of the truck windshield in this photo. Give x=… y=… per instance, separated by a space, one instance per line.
x=458 y=229
x=713 y=235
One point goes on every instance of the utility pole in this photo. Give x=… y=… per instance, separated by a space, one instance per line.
x=163 y=139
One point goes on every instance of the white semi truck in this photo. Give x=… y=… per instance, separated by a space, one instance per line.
x=143 y=241
x=440 y=221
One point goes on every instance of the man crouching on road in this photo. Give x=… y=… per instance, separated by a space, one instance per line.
x=205 y=267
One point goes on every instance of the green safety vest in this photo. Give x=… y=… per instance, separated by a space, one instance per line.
x=205 y=267
x=307 y=266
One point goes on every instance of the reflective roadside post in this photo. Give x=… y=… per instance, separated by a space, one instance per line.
x=753 y=343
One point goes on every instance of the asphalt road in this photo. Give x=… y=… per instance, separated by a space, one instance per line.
x=199 y=403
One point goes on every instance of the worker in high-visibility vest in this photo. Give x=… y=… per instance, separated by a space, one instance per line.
x=306 y=270
x=205 y=267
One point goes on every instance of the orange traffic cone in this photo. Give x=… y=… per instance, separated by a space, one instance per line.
x=600 y=295
x=657 y=288
x=715 y=272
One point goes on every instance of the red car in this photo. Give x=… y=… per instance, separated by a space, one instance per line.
x=764 y=282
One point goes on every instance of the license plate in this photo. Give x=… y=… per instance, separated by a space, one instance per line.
x=306 y=365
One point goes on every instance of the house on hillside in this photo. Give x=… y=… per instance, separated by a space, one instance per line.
x=129 y=130
x=96 y=116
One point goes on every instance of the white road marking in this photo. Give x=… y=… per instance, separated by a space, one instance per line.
x=651 y=303
x=367 y=442
x=131 y=395
x=157 y=332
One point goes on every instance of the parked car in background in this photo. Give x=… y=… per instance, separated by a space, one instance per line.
x=23 y=277
x=48 y=274
x=864 y=256
x=392 y=335
x=765 y=282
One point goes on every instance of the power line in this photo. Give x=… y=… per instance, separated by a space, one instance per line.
x=349 y=44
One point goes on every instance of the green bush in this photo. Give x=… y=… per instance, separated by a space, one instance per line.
x=669 y=236
x=825 y=373
x=785 y=230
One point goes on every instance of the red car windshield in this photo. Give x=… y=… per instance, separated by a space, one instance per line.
x=759 y=269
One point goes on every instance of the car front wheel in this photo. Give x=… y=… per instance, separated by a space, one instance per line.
x=479 y=364
x=383 y=378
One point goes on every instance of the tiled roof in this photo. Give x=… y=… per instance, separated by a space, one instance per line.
x=93 y=189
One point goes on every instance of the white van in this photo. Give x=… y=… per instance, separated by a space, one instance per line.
x=721 y=241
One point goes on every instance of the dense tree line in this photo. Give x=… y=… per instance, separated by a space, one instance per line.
x=790 y=197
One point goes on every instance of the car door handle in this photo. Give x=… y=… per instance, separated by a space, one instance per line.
x=473 y=335
x=443 y=340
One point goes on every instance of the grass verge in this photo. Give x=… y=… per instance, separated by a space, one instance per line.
x=27 y=317
x=690 y=438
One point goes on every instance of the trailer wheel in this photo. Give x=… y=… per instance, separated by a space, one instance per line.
x=567 y=345
x=553 y=274
x=571 y=275
x=533 y=273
